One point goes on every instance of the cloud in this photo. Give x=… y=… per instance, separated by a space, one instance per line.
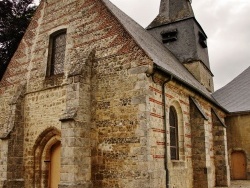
x=227 y=26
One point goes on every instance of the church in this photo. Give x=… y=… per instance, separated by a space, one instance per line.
x=91 y=99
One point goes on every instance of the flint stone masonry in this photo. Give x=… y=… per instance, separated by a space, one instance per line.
x=105 y=110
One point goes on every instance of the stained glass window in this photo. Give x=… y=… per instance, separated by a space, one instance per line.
x=173 y=123
x=58 y=45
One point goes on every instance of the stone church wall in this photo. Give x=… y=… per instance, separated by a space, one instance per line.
x=42 y=110
x=238 y=136
x=181 y=172
x=117 y=94
x=104 y=110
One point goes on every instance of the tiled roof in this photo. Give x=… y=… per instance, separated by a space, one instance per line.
x=235 y=96
x=160 y=55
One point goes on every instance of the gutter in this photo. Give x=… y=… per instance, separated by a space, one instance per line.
x=210 y=99
x=239 y=113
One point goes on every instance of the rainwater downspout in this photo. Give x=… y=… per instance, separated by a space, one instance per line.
x=165 y=126
x=151 y=73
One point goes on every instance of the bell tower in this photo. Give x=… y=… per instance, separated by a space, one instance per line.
x=178 y=30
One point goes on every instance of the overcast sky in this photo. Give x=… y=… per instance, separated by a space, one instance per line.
x=226 y=23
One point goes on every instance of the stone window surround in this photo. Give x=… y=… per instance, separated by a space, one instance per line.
x=52 y=37
x=179 y=113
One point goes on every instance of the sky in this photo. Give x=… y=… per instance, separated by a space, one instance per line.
x=226 y=23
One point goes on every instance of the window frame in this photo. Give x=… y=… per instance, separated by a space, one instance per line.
x=173 y=124
x=51 y=63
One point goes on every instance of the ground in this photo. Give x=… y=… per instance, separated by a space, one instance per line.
x=239 y=184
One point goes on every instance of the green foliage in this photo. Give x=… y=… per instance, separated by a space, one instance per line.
x=15 y=16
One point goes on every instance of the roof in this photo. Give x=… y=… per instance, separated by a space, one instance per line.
x=172 y=11
x=160 y=55
x=235 y=96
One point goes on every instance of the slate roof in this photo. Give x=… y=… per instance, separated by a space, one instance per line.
x=172 y=11
x=160 y=55
x=235 y=96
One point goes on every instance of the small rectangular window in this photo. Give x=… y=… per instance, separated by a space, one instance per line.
x=57 y=53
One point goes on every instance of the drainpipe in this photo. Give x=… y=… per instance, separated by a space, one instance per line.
x=150 y=73
x=165 y=126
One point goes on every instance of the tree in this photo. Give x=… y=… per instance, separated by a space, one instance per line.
x=15 y=16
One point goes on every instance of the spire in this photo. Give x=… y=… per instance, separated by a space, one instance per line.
x=172 y=11
x=178 y=30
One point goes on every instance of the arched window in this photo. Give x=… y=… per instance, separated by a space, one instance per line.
x=173 y=126
x=57 y=48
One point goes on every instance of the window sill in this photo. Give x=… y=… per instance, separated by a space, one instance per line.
x=178 y=163
x=53 y=80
